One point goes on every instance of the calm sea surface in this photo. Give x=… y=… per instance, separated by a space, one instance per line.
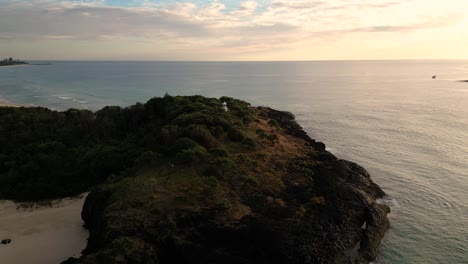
x=408 y=130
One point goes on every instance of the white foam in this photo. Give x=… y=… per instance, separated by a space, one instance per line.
x=388 y=201
x=63 y=96
x=393 y=204
x=81 y=102
x=69 y=97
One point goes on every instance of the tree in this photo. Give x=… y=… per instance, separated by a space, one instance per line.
x=272 y=138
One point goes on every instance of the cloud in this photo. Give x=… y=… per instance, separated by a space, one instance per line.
x=429 y=23
x=245 y=8
x=296 y=4
x=251 y=27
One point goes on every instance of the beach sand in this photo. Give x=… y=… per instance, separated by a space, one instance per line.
x=49 y=232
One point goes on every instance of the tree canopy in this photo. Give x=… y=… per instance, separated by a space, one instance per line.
x=47 y=154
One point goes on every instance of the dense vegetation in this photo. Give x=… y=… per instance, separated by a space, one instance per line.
x=46 y=154
x=180 y=180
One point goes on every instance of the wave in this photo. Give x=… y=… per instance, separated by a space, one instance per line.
x=81 y=102
x=63 y=97
x=69 y=97
x=388 y=201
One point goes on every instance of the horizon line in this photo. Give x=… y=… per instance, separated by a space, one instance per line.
x=319 y=60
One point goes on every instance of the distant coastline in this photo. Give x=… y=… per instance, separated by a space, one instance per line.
x=11 y=62
x=3 y=104
x=6 y=103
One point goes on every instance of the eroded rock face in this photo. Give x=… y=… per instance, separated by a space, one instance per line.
x=92 y=214
x=293 y=225
x=351 y=205
x=377 y=224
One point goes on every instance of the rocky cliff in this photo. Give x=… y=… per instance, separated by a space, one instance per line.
x=284 y=200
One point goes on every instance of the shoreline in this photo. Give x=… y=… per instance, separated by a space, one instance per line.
x=42 y=232
x=4 y=102
x=9 y=104
x=16 y=63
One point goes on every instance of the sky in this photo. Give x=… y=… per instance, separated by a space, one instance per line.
x=233 y=30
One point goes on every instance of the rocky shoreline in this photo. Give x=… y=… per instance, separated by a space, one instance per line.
x=342 y=224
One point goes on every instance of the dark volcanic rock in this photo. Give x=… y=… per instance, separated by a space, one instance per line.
x=5 y=241
x=92 y=213
x=376 y=225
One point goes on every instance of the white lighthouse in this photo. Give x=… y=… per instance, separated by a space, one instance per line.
x=224 y=105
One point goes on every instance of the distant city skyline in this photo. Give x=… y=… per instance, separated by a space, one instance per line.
x=232 y=30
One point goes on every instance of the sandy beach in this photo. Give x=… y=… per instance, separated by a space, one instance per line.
x=47 y=232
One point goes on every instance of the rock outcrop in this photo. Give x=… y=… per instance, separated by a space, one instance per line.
x=5 y=241
x=311 y=207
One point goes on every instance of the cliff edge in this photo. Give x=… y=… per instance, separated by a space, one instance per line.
x=256 y=189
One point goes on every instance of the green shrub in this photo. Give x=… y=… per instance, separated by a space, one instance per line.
x=183 y=143
x=195 y=154
x=217 y=131
x=261 y=133
x=122 y=245
x=250 y=143
x=242 y=112
x=247 y=120
x=223 y=206
x=235 y=135
x=273 y=123
x=194 y=118
x=263 y=114
x=273 y=138
x=202 y=135
x=225 y=166
x=167 y=134
x=218 y=153
x=195 y=107
x=212 y=182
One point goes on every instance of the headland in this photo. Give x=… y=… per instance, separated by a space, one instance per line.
x=11 y=62
x=180 y=180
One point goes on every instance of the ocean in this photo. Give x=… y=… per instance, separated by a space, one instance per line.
x=408 y=130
